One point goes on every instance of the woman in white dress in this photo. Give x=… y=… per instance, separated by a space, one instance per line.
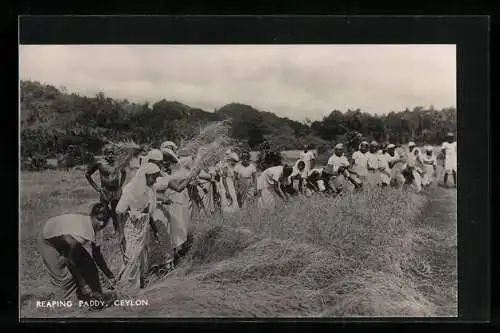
x=246 y=179
x=172 y=189
x=136 y=208
x=269 y=185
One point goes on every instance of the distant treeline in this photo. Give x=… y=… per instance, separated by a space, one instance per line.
x=54 y=122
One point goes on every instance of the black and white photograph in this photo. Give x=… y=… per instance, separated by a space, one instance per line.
x=239 y=181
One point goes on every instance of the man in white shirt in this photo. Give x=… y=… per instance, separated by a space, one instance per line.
x=338 y=166
x=449 y=149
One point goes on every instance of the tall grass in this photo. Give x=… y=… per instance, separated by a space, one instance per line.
x=364 y=254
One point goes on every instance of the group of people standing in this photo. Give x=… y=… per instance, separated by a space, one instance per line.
x=169 y=190
x=374 y=164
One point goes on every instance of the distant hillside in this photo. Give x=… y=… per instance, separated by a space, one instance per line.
x=53 y=120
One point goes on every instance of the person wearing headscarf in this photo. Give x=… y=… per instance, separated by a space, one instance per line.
x=70 y=247
x=413 y=171
x=207 y=190
x=226 y=186
x=395 y=163
x=383 y=166
x=429 y=162
x=246 y=180
x=169 y=145
x=269 y=185
x=136 y=207
x=299 y=176
x=449 y=149
x=171 y=188
x=373 y=165
x=360 y=161
x=338 y=166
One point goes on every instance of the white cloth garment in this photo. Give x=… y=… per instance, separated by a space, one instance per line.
x=360 y=163
x=429 y=163
x=450 y=160
x=265 y=183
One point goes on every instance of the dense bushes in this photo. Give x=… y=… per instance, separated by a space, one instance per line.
x=52 y=120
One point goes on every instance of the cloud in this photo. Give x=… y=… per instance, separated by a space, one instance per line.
x=294 y=81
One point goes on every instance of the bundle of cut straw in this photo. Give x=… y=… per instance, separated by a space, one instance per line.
x=209 y=155
x=125 y=151
x=207 y=135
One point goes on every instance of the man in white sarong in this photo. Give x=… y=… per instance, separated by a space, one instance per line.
x=226 y=186
x=396 y=164
x=269 y=185
x=136 y=207
x=429 y=162
x=449 y=149
x=413 y=171
x=69 y=245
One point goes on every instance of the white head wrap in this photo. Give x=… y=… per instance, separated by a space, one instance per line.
x=233 y=157
x=411 y=144
x=168 y=144
x=391 y=146
x=171 y=153
x=374 y=143
x=339 y=146
x=137 y=190
x=428 y=148
x=154 y=155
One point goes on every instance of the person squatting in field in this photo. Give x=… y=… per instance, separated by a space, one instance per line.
x=269 y=185
x=70 y=247
x=449 y=149
x=112 y=178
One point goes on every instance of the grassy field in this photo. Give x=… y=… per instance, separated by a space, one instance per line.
x=377 y=253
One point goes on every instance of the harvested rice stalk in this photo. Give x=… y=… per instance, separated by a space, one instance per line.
x=207 y=135
x=125 y=151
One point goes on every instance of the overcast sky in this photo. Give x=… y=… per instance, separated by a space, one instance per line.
x=294 y=81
